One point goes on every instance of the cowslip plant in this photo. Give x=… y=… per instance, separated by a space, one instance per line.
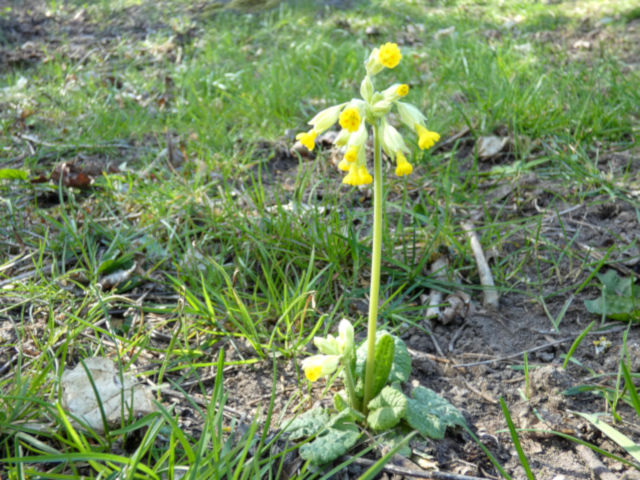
x=372 y=373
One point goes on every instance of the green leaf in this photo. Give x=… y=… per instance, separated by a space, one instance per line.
x=383 y=361
x=332 y=443
x=308 y=424
x=13 y=174
x=430 y=414
x=387 y=409
x=339 y=402
x=401 y=367
x=620 y=299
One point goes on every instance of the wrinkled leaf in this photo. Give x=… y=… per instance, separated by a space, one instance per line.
x=401 y=367
x=431 y=414
x=334 y=442
x=383 y=362
x=620 y=299
x=106 y=392
x=387 y=409
x=308 y=424
x=13 y=174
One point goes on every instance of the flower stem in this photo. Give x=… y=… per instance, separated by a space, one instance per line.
x=350 y=385
x=376 y=253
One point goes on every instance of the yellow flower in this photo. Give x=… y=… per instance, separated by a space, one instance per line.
x=389 y=55
x=344 y=164
x=308 y=139
x=352 y=154
x=350 y=178
x=402 y=90
x=350 y=119
x=426 y=138
x=403 y=167
x=364 y=177
x=318 y=366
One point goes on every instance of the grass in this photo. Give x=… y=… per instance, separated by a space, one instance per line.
x=192 y=113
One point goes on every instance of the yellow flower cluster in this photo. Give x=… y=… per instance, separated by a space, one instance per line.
x=373 y=108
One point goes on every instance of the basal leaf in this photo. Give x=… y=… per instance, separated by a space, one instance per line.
x=387 y=409
x=308 y=424
x=431 y=414
x=401 y=366
x=383 y=360
x=331 y=444
x=620 y=298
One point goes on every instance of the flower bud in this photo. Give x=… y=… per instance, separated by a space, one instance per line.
x=392 y=141
x=328 y=346
x=326 y=118
x=373 y=65
x=366 y=88
x=410 y=115
x=342 y=138
x=346 y=336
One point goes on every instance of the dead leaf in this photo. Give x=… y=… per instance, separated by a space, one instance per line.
x=116 y=278
x=458 y=306
x=80 y=173
x=118 y=394
x=490 y=146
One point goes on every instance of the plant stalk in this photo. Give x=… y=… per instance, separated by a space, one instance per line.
x=376 y=254
x=349 y=383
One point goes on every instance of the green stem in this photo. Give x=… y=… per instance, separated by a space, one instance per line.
x=376 y=253
x=349 y=383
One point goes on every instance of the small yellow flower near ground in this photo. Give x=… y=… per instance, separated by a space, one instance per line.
x=426 y=138
x=403 y=166
x=389 y=55
x=318 y=366
x=350 y=119
x=308 y=139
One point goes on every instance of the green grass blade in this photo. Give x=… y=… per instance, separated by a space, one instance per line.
x=576 y=343
x=516 y=440
x=621 y=439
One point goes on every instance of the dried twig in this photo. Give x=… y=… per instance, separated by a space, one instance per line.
x=486 y=279
x=534 y=349
x=409 y=472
